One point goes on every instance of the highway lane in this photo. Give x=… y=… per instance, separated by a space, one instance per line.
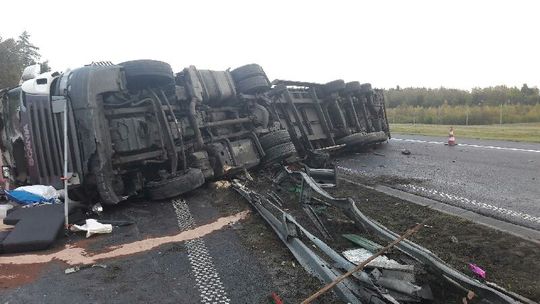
x=496 y=178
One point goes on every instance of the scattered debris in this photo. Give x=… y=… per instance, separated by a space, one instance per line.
x=405 y=152
x=27 y=198
x=276 y=299
x=78 y=268
x=35 y=228
x=363 y=242
x=479 y=272
x=422 y=255
x=378 y=154
x=47 y=192
x=97 y=208
x=292 y=235
x=357 y=256
x=361 y=266
x=454 y=239
x=92 y=226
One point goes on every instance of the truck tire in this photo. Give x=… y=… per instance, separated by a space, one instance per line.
x=174 y=186
x=279 y=153
x=334 y=86
x=352 y=87
x=253 y=85
x=361 y=139
x=275 y=138
x=142 y=74
x=247 y=71
x=366 y=87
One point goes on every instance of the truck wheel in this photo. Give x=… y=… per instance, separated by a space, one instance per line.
x=361 y=139
x=253 y=85
x=247 y=71
x=366 y=87
x=279 y=152
x=275 y=138
x=142 y=74
x=174 y=186
x=334 y=86
x=352 y=87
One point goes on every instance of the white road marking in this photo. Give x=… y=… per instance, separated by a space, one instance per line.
x=464 y=200
x=207 y=278
x=467 y=145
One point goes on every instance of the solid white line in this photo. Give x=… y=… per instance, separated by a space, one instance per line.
x=207 y=278
x=467 y=145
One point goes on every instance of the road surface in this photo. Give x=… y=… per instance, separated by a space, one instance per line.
x=495 y=178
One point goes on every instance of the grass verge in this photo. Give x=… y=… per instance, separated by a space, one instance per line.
x=525 y=132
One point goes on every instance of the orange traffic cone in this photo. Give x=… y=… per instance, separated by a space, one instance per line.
x=451 y=137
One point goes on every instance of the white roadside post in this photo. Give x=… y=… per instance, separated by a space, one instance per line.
x=66 y=177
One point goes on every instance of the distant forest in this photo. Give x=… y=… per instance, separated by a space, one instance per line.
x=492 y=105
x=424 y=97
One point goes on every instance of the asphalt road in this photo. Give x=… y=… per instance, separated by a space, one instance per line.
x=215 y=268
x=495 y=178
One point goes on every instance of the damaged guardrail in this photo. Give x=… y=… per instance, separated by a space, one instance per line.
x=289 y=231
x=419 y=253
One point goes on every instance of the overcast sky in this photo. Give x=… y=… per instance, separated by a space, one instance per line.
x=448 y=43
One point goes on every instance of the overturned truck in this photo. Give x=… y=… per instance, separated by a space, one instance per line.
x=137 y=127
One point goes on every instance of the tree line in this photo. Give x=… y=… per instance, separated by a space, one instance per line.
x=15 y=55
x=490 y=96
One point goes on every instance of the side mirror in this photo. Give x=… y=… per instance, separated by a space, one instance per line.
x=31 y=72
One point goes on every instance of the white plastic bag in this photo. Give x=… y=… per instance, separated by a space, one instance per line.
x=92 y=227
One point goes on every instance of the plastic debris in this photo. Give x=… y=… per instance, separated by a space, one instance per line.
x=92 y=226
x=357 y=256
x=477 y=270
x=276 y=299
x=27 y=198
x=47 y=192
x=97 y=208
x=35 y=194
x=363 y=242
x=405 y=152
x=77 y=268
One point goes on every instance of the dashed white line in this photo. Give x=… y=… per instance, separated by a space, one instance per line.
x=464 y=200
x=467 y=145
x=207 y=278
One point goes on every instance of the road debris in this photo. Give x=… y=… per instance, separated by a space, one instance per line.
x=357 y=256
x=276 y=299
x=479 y=272
x=92 y=227
x=348 y=206
x=78 y=268
x=405 y=152
x=363 y=242
x=362 y=265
